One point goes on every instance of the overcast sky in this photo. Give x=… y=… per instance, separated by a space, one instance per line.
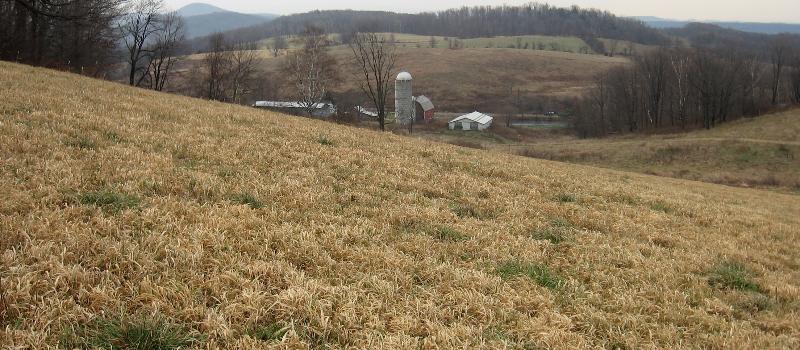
x=727 y=10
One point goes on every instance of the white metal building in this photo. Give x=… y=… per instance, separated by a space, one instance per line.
x=320 y=110
x=472 y=121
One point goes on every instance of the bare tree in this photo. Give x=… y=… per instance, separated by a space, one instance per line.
x=215 y=64
x=795 y=80
x=679 y=62
x=312 y=70
x=138 y=26
x=278 y=44
x=599 y=96
x=779 y=55
x=374 y=59
x=244 y=62
x=163 y=53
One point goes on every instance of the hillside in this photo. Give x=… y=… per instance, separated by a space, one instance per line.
x=753 y=27
x=464 y=23
x=761 y=152
x=133 y=216
x=469 y=79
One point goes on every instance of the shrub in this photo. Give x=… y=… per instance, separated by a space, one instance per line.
x=732 y=275
x=109 y=200
x=247 y=199
x=140 y=334
x=538 y=273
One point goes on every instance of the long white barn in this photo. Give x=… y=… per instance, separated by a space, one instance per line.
x=472 y=121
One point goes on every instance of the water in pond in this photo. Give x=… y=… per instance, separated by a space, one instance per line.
x=539 y=123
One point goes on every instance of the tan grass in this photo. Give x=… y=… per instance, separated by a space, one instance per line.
x=343 y=250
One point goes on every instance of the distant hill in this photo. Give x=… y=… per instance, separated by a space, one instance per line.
x=202 y=25
x=753 y=27
x=203 y=19
x=198 y=9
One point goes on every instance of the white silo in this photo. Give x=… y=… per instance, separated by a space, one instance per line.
x=403 y=103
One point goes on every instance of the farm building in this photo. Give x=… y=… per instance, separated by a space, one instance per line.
x=366 y=112
x=472 y=121
x=321 y=110
x=424 y=109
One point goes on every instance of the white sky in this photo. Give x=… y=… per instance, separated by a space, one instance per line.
x=725 y=10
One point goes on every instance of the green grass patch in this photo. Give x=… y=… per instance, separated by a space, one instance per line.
x=140 y=334
x=732 y=275
x=539 y=273
x=566 y=198
x=449 y=234
x=247 y=199
x=113 y=137
x=109 y=200
x=548 y=234
x=561 y=223
x=662 y=207
x=270 y=333
x=81 y=142
x=466 y=210
x=325 y=141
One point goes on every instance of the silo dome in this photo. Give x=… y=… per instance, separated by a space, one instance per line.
x=404 y=76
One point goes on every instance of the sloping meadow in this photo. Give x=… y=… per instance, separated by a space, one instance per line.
x=142 y=220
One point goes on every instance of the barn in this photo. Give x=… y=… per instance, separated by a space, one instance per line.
x=425 y=111
x=472 y=121
x=321 y=110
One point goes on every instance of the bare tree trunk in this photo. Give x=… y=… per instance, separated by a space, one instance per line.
x=374 y=61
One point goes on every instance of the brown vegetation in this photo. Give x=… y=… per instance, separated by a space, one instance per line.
x=130 y=214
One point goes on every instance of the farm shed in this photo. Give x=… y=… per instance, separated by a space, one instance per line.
x=321 y=110
x=425 y=109
x=472 y=121
x=366 y=112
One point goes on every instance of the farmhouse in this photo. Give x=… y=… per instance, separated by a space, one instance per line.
x=321 y=110
x=472 y=121
x=424 y=109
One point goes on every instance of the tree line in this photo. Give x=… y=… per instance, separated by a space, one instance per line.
x=93 y=36
x=74 y=35
x=673 y=88
x=465 y=22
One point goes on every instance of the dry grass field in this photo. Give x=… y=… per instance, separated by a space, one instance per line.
x=134 y=219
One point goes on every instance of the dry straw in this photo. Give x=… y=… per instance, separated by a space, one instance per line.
x=136 y=219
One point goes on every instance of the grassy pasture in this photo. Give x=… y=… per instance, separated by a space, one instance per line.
x=763 y=152
x=183 y=223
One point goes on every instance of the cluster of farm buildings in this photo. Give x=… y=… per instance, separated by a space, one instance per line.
x=408 y=108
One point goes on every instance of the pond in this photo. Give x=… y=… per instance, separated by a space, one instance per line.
x=539 y=124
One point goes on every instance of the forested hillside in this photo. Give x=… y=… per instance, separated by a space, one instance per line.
x=467 y=22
